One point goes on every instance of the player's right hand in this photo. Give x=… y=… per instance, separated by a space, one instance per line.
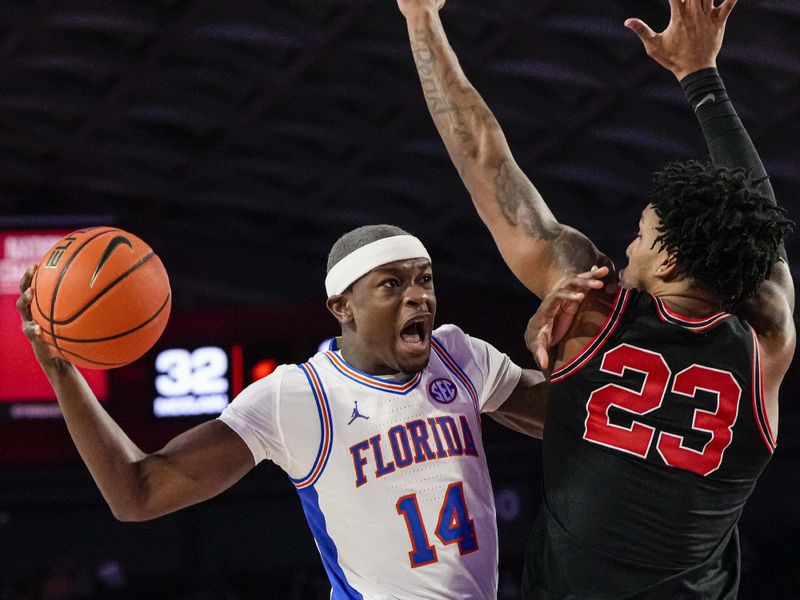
x=407 y=7
x=557 y=313
x=692 y=39
x=45 y=354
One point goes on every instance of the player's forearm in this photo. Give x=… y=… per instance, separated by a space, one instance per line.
x=729 y=144
x=537 y=248
x=473 y=138
x=726 y=137
x=111 y=457
x=467 y=127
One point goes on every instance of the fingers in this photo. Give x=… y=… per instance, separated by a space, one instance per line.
x=691 y=7
x=587 y=281
x=26 y=294
x=595 y=273
x=707 y=6
x=541 y=357
x=27 y=277
x=24 y=304
x=32 y=330
x=723 y=11
x=578 y=284
x=641 y=29
x=539 y=345
x=677 y=8
x=564 y=297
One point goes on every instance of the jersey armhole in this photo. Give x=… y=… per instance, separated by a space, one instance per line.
x=760 y=412
x=326 y=424
x=598 y=341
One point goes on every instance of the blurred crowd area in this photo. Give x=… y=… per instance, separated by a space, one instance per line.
x=773 y=575
x=108 y=580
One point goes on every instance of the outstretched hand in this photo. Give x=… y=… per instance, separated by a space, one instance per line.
x=45 y=354
x=557 y=313
x=692 y=39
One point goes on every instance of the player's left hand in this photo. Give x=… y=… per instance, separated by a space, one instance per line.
x=557 y=313
x=692 y=39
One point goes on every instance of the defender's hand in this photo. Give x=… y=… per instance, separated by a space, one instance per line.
x=408 y=7
x=45 y=354
x=557 y=313
x=692 y=39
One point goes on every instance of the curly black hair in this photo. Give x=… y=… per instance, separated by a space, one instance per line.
x=724 y=234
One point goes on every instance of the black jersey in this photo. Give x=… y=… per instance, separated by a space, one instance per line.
x=655 y=436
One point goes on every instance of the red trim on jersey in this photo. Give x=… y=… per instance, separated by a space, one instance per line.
x=606 y=331
x=372 y=381
x=759 y=405
x=326 y=433
x=697 y=325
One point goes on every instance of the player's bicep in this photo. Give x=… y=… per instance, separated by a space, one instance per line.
x=525 y=408
x=771 y=310
x=194 y=466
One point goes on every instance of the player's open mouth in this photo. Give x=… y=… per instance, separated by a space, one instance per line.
x=416 y=330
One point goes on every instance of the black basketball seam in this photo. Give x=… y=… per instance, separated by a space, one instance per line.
x=83 y=309
x=115 y=336
x=58 y=284
x=96 y=362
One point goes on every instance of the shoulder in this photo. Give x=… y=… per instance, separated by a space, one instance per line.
x=455 y=341
x=600 y=312
x=449 y=334
x=771 y=314
x=287 y=382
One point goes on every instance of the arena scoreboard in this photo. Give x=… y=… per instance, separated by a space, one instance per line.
x=24 y=390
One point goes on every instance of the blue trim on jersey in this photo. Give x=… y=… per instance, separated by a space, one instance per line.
x=459 y=374
x=341 y=588
x=304 y=368
x=380 y=384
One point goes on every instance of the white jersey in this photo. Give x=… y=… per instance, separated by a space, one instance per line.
x=392 y=475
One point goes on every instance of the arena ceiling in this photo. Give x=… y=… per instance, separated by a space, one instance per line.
x=241 y=138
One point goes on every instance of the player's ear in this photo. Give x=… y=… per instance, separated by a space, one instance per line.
x=340 y=307
x=667 y=269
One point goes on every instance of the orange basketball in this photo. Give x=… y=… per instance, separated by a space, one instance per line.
x=101 y=297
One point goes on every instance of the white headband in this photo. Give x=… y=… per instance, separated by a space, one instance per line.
x=361 y=261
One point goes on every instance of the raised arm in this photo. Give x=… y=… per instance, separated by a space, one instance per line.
x=193 y=467
x=688 y=48
x=539 y=250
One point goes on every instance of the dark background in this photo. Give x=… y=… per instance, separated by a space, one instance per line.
x=241 y=139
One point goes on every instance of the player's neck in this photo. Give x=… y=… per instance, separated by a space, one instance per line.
x=367 y=363
x=691 y=302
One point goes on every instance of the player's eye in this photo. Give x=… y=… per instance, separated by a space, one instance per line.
x=427 y=278
x=392 y=282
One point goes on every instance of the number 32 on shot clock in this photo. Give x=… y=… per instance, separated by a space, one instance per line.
x=191 y=382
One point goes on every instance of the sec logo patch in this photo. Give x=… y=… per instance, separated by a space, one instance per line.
x=443 y=390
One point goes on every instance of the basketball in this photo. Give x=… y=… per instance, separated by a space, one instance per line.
x=101 y=297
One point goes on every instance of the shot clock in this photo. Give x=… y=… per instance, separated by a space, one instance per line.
x=201 y=379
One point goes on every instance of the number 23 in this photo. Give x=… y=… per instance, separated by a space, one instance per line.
x=638 y=438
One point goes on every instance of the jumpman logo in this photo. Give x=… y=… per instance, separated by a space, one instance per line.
x=356 y=414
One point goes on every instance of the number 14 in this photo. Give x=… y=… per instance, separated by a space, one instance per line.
x=454 y=526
